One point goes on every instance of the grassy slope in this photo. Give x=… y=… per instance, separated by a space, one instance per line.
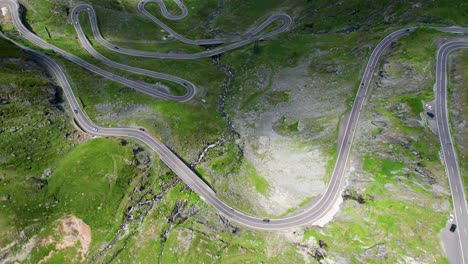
x=84 y=178
x=190 y=126
x=70 y=183
x=91 y=183
x=464 y=159
x=389 y=218
x=56 y=25
x=461 y=92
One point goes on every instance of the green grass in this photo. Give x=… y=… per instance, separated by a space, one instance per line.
x=386 y=219
x=453 y=12
x=9 y=51
x=192 y=26
x=406 y=227
x=382 y=170
x=185 y=125
x=456 y=90
x=261 y=185
x=34 y=130
x=252 y=12
x=93 y=175
x=415 y=47
x=236 y=171
x=89 y=181
x=464 y=155
x=414 y=102
x=423 y=141
x=287 y=127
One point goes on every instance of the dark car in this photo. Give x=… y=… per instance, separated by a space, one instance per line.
x=266 y=220
x=76 y=111
x=429 y=114
x=453 y=227
x=142 y=129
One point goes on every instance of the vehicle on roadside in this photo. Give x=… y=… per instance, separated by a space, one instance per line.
x=453 y=227
x=142 y=129
x=450 y=220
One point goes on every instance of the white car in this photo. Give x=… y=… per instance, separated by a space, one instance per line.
x=95 y=129
x=450 y=220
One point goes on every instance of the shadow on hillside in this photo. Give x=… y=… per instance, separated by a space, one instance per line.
x=23 y=11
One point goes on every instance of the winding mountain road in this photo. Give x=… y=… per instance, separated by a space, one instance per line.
x=311 y=213
x=450 y=156
x=239 y=41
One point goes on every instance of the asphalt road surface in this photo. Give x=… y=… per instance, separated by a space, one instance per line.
x=317 y=209
x=145 y=88
x=239 y=41
x=448 y=150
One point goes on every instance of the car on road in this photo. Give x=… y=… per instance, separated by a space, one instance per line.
x=95 y=129
x=266 y=220
x=142 y=129
x=453 y=227
x=75 y=111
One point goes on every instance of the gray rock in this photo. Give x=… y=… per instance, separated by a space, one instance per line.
x=46 y=174
x=389 y=186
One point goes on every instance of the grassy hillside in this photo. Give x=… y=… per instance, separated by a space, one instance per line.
x=48 y=170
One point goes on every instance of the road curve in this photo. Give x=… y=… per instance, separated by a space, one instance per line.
x=315 y=210
x=240 y=41
x=448 y=150
x=145 y=88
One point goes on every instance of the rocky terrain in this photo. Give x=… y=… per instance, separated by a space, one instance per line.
x=458 y=107
x=398 y=190
x=68 y=197
x=285 y=129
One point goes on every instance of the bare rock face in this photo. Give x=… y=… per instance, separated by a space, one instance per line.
x=286 y=129
x=351 y=194
x=376 y=252
x=74 y=230
x=69 y=232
